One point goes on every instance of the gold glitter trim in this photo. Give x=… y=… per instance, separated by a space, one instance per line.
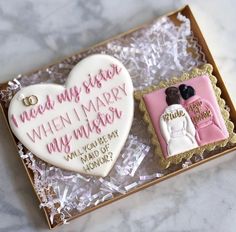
x=204 y=70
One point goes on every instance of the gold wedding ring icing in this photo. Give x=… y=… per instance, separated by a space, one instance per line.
x=31 y=100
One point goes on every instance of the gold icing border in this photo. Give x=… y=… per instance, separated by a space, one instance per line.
x=206 y=69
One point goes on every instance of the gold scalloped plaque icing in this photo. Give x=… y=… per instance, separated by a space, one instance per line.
x=152 y=104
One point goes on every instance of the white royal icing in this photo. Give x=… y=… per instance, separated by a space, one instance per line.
x=81 y=126
x=177 y=129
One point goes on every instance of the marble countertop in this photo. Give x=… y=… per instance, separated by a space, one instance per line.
x=33 y=33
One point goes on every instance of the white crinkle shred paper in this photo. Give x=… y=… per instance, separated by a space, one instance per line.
x=73 y=191
x=154 y=53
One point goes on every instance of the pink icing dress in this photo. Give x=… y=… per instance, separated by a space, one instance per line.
x=204 y=118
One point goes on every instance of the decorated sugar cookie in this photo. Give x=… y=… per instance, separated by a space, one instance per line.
x=81 y=126
x=186 y=116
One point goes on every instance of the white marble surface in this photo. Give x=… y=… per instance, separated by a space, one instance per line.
x=33 y=33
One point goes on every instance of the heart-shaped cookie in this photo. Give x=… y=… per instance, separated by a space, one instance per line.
x=81 y=126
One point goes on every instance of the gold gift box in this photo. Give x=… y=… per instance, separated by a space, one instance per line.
x=186 y=11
